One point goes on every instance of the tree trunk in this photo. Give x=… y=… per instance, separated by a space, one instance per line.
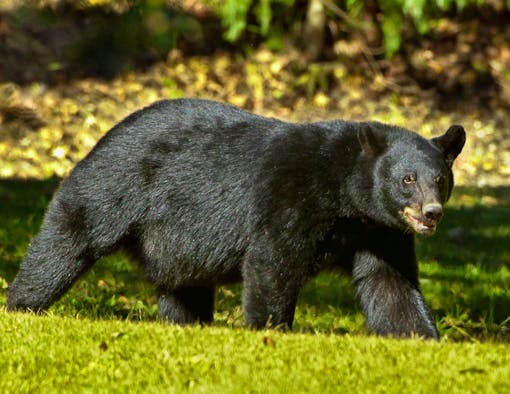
x=314 y=29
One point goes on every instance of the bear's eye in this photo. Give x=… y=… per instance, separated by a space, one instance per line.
x=409 y=179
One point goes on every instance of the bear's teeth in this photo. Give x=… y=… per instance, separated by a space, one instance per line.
x=424 y=228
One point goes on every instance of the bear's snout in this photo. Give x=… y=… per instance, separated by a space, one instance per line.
x=424 y=220
x=433 y=212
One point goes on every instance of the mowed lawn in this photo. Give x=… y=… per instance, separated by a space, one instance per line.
x=104 y=335
x=66 y=354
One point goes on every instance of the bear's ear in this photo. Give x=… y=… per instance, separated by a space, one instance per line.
x=451 y=143
x=372 y=141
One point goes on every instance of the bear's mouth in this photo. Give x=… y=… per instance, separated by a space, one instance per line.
x=416 y=221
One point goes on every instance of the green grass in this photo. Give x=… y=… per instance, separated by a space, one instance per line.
x=64 y=354
x=104 y=334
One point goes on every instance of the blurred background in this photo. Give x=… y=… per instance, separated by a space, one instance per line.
x=69 y=70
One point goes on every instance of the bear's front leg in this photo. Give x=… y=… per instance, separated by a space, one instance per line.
x=269 y=295
x=389 y=293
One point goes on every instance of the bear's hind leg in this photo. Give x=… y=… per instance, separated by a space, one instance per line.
x=187 y=305
x=269 y=295
x=44 y=276
x=52 y=264
x=65 y=248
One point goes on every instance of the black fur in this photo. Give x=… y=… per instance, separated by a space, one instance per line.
x=205 y=193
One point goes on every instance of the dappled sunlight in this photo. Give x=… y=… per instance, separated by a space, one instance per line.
x=76 y=115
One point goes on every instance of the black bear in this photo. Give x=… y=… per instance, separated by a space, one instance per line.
x=204 y=193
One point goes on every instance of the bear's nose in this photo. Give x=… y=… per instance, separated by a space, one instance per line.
x=433 y=211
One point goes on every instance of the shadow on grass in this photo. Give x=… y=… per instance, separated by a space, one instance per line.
x=22 y=205
x=465 y=266
x=476 y=229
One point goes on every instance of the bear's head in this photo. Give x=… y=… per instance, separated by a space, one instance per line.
x=411 y=177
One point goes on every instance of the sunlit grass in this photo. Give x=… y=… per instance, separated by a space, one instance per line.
x=62 y=354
